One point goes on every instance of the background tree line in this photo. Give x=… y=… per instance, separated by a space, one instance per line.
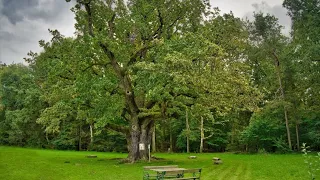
x=174 y=74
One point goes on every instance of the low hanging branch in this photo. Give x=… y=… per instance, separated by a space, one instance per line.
x=67 y=78
x=118 y=128
x=95 y=64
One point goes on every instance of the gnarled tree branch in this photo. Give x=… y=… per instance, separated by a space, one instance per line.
x=118 y=128
x=95 y=64
x=89 y=13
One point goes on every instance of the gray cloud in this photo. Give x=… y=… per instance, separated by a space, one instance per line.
x=281 y=14
x=245 y=9
x=14 y=9
x=277 y=10
x=48 y=10
x=24 y=22
x=6 y=36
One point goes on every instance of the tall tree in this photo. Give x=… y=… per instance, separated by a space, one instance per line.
x=268 y=43
x=304 y=52
x=129 y=60
x=123 y=34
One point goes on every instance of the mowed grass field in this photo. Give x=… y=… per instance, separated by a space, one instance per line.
x=24 y=163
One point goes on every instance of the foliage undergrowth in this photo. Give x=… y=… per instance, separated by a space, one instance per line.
x=313 y=162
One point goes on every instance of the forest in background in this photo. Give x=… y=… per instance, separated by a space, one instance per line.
x=173 y=74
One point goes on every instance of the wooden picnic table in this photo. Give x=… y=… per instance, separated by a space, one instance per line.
x=171 y=172
x=167 y=169
x=147 y=175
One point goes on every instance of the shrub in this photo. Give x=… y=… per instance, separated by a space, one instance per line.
x=313 y=162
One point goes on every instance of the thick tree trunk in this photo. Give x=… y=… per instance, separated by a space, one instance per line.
x=144 y=153
x=135 y=137
x=128 y=138
x=188 y=130
x=141 y=134
x=202 y=135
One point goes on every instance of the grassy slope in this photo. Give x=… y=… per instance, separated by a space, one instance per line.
x=21 y=163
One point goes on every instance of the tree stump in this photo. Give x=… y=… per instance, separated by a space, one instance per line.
x=192 y=157
x=92 y=156
x=216 y=160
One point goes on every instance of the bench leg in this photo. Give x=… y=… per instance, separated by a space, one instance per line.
x=180 y=175
x=160 y=176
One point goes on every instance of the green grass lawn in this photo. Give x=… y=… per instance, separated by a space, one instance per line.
x=23 y=163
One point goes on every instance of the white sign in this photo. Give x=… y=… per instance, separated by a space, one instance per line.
x=141 y=147
x=148 y=146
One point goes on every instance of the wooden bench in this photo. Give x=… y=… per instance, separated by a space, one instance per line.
x=175 y=173
x=147 y=171
x=191 y=174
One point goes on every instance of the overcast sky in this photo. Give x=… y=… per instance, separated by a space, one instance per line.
x=24 y=22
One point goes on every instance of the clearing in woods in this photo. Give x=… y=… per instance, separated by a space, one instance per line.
x=23 y=163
